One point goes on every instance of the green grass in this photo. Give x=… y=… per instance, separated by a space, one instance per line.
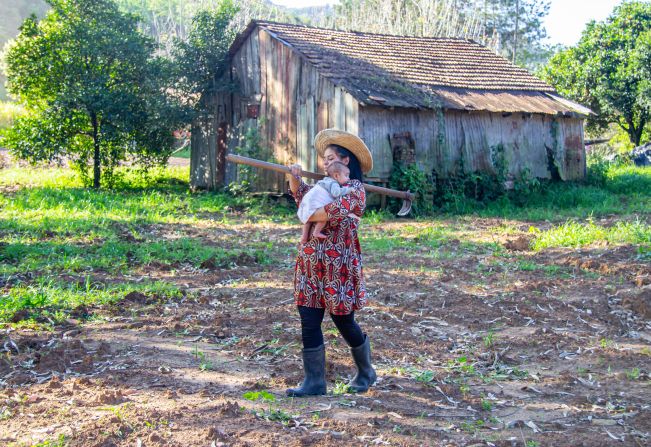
x=439 y=239
x=62 y=227
x=50 y=225
x=185 y=153
x=577 y=234
x=117 y=256
x=50 y=298
x=625 y=190
x=53 y=227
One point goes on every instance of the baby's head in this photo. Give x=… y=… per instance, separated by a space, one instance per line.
x=339 y=171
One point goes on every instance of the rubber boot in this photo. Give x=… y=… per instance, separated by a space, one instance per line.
x=366 y=375
x=314 y=366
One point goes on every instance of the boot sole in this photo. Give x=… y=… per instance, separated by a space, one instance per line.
x=288 y=394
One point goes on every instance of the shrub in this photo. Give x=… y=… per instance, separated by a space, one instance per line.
x=413 y=179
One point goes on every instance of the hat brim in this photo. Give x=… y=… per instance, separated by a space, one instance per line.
x=348 y=140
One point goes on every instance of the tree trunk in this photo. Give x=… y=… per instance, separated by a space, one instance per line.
x=634 y=132
x=638 y=133
x=515 y=35
x=96 y=158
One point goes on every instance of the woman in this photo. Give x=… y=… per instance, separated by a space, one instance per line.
x=328 y=274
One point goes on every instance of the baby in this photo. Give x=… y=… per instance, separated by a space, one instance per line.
x=324 y=192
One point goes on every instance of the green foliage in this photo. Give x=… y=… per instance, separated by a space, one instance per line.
x=424 y=376
x=60 y=441
x=340 y=388
x=460 y=190
x=413 y=179
x=201 y=58
x=273 y=413
x=597 y=170
x=610 y=70
x=259 y=395
x=610 y=188
x=489 y=340
x=95 y=91
x=627 y=189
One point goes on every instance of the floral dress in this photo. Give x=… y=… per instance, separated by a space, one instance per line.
x=328 y=272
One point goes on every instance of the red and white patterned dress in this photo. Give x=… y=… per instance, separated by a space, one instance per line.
x=328 y=272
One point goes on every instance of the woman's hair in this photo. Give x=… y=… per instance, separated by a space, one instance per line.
x=353 y=162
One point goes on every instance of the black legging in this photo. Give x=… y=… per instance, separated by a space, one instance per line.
x=311 y=319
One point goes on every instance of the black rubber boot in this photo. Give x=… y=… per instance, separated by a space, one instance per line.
x=314 y=383
x=366 y=375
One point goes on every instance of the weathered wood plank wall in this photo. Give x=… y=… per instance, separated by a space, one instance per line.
x=443 y=138
x=203 y=144
x=296 y=102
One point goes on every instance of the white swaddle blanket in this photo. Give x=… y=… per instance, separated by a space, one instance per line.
x=314 y=199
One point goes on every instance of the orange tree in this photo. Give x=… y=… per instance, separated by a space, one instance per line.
x=95 y=92
x=609 y=70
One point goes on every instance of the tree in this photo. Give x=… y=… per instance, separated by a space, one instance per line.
x=203 y=55
x=95 y=92
x=515 y=28
x=609 y=70
x=169 y=21
x=427 y=18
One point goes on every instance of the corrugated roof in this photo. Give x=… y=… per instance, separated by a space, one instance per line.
x=422 y=72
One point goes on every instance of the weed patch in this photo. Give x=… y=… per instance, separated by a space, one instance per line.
x=51 y=300
x=576 y=234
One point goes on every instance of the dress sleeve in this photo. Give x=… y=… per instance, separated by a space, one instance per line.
x=352 y=203
x=303 y=188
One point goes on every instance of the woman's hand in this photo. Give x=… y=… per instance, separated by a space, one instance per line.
x=294 y=179
x=295 y=169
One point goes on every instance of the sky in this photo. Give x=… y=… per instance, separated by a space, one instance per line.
x=566 y=19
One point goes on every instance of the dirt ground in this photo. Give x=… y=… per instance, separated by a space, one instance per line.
x=472 y=348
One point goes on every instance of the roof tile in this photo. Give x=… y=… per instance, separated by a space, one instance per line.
x=420 y=72
x=433 y=61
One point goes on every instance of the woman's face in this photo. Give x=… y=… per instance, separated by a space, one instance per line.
x=330 y=155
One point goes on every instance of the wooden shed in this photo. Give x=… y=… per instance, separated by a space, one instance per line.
x=453 y=101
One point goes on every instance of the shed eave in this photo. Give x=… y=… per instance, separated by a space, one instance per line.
x=501 y=101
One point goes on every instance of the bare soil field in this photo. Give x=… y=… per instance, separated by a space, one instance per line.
x=472 y=347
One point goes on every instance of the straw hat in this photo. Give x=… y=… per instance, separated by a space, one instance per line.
x=345 y=139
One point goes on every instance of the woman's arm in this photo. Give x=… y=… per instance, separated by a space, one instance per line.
x=294 y=179
x=297 y=186
x=353 y=203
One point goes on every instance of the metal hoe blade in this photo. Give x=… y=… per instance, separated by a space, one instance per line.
x=406 y=207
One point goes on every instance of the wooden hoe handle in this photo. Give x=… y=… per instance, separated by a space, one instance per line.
x=406 y=195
